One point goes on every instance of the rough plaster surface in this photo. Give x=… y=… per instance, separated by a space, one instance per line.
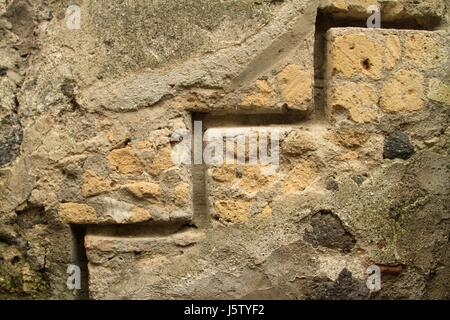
x=87 y=120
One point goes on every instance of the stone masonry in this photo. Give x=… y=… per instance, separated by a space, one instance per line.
x=90 y=120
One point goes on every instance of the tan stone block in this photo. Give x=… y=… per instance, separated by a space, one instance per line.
x=264 y=96
x=351 y=155
x=235 y=211
x=115 y=211
x=359 y=99
x=398 y=62
x=352 y=52
x=355 y=53
x=296 y=86
x=144 y=189
x=301 y=176
x=238 y=186
x=182 y=194
x=298 y=142
x=77 y=213
x=404 y=92
x=252 y=178
x=161 y=162
x=190 y=102
x=344 y=5
x=143 y=144
x=393 y=51
x=338 y=4
x=134 y=263
x=43 y=197
x=125 y=161
x=423 y=11
x=94 y=184
x=225 y=173
x=97 y=244
x=139 y=215
x=265 y=213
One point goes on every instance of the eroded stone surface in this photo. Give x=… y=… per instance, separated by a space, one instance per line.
x=429 y=12
x=371 y=72
x=77 y=213
x=398 y=145
x=296 y=86
x=87 y=122
x=240 y=191
x=328 y=253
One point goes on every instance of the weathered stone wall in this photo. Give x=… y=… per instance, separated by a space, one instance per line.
x=88 y=119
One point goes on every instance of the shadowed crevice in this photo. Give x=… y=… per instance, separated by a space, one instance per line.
x=79 y=258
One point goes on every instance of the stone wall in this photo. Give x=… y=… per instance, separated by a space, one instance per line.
x=90 y=120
